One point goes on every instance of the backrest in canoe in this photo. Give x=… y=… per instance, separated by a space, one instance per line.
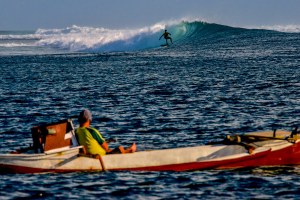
x=53 y=136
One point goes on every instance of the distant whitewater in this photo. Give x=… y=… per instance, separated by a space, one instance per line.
x=90 y=39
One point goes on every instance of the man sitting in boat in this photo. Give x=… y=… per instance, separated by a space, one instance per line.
x=92 y=140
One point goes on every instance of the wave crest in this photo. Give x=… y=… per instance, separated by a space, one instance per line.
x=89 y=39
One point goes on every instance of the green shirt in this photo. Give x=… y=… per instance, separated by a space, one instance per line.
x=91 y=139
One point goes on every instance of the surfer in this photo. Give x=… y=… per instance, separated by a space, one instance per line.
x=92 y=140
x=166 y=36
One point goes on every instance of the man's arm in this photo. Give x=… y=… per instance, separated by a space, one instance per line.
x=104 y=145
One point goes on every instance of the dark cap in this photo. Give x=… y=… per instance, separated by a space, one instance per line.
x=85 y=116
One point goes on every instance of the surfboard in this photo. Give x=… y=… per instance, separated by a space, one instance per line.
x=164 y=45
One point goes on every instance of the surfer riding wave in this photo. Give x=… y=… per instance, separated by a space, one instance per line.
x=167 y=37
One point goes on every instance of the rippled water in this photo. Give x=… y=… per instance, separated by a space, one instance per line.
x=270 y=183
x=193 y=92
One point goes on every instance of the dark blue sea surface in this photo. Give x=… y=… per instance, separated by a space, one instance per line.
x=213 y=81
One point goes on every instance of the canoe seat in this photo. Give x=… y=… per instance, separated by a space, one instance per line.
x=53 y=136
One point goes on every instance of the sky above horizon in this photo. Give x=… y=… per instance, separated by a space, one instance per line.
x=49 y=14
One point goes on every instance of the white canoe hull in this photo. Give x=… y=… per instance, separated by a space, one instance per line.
x=179 y=159
x=269 y=152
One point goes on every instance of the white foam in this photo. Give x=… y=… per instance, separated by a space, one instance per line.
x=77 y=38
x=20 y=37
x=11 y=45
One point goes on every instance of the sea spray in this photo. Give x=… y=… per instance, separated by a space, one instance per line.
x=77 y=38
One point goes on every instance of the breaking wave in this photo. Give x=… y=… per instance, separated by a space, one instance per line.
x=77 y=38
x=88 y=39
x=91 y=39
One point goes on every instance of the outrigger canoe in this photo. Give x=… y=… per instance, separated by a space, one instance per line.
x=55 y=149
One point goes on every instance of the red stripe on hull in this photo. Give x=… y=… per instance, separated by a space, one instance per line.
x=286 y=156
x=20 y=169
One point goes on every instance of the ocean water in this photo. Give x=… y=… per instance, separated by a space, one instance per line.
x=213 y=81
